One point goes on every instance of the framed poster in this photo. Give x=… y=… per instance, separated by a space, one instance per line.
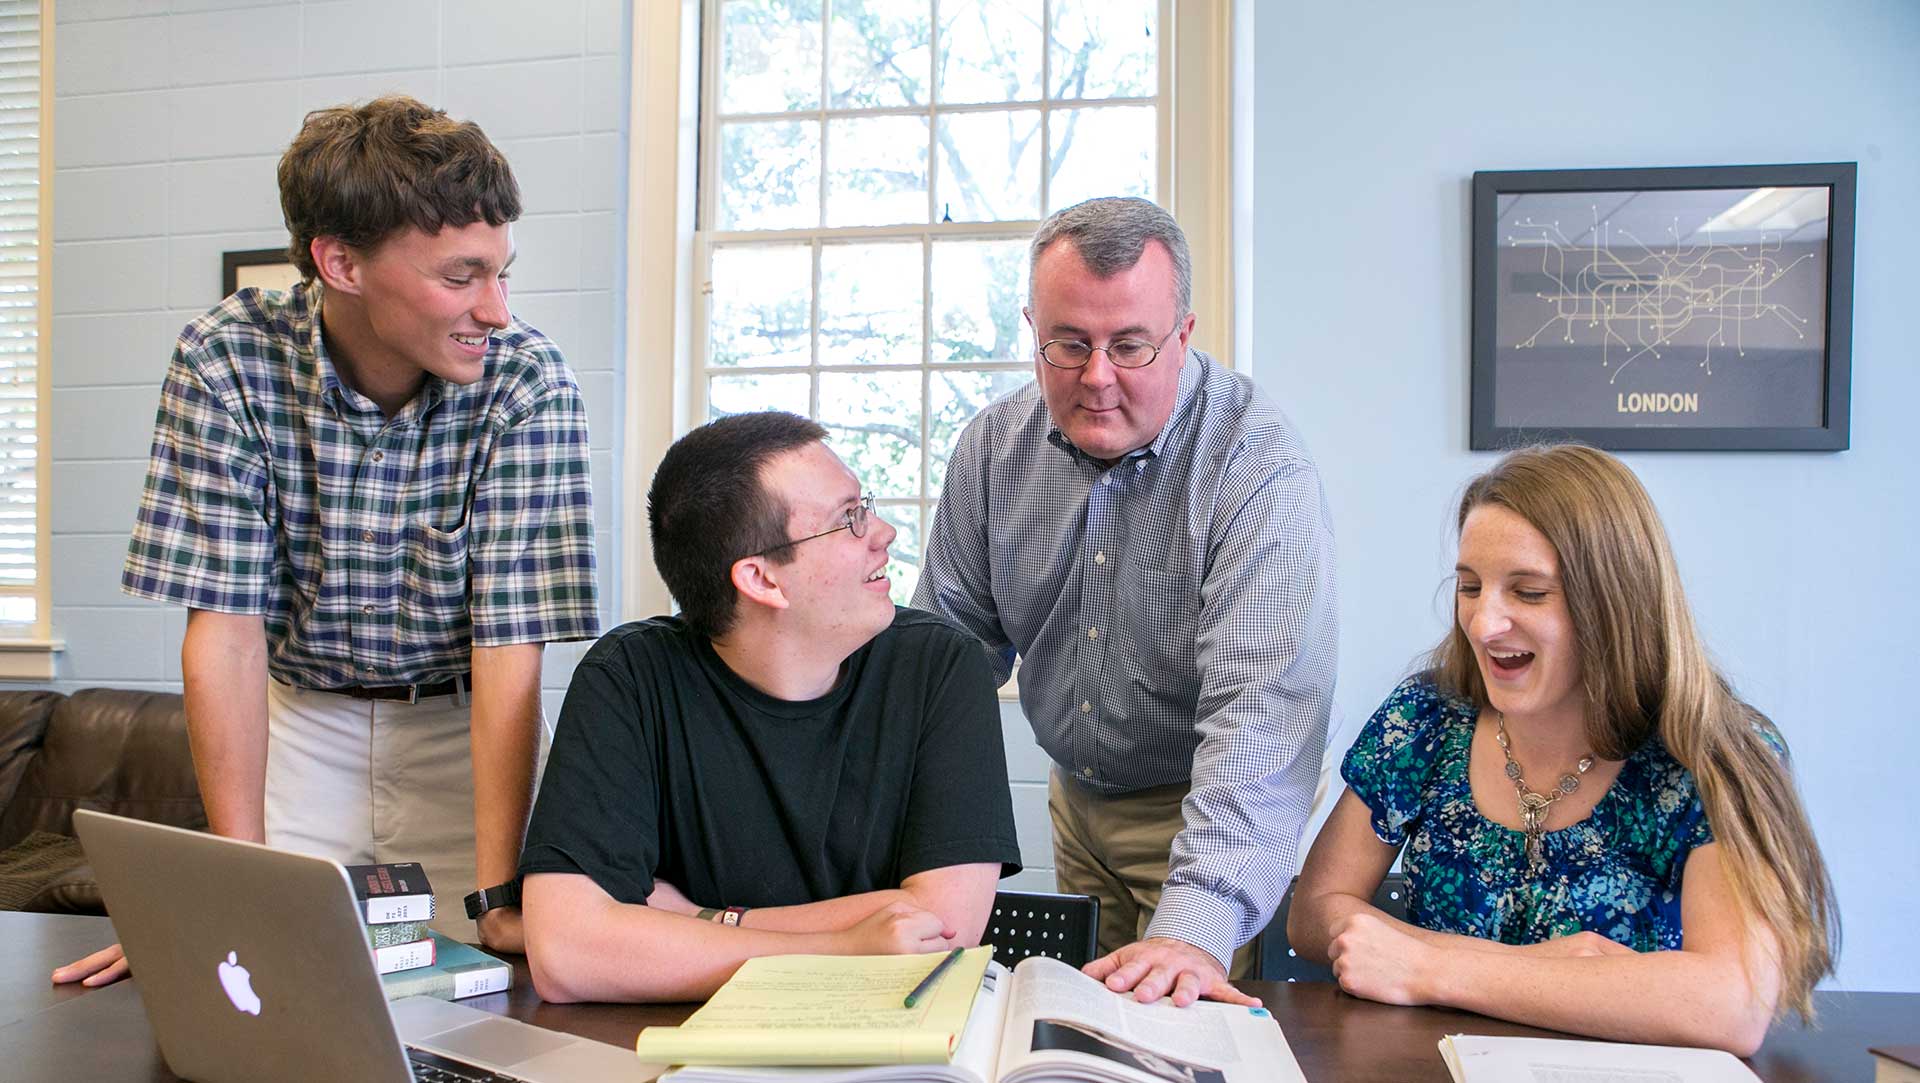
x=1675 y=309
x=266 y=268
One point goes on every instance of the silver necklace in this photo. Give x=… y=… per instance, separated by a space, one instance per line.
x=1534 y=806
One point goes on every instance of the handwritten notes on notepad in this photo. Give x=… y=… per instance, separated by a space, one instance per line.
x=825 y=1009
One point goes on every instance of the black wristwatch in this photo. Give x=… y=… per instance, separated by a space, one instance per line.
x=507 y=894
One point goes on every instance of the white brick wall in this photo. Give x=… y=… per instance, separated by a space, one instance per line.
x=170 y=116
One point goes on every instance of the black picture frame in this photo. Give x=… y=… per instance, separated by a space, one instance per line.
x=1769 y=397
x=267 y=266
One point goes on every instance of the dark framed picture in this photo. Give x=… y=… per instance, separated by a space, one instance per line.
x=266 y=268
x=1706 y=308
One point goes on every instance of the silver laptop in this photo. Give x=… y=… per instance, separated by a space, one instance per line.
x=253 y=964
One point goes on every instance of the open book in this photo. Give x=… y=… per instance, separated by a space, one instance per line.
x=1475 y=1059
x=1044 y=1022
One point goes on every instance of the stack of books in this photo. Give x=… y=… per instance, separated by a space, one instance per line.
x=397 y=904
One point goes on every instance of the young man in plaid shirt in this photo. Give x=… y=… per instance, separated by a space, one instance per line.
x=372 y=494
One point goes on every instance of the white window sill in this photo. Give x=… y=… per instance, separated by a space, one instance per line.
x=28 y=659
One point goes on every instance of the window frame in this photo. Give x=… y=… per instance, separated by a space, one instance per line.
x=674 y=145
x=27 y=650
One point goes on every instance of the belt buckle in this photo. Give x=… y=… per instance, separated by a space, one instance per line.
x=413 y=693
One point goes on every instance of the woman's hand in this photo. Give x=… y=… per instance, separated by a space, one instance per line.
x=1373 y=959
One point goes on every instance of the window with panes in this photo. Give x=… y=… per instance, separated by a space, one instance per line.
x=871 y=171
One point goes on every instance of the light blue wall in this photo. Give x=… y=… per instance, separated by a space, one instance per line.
x=1370 y=120
x=169 y=117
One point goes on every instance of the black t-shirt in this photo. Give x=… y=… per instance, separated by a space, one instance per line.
x=667 y=764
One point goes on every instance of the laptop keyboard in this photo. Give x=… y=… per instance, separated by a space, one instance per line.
x=433 y=1068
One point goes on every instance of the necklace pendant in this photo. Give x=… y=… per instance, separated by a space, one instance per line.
x=1536 y=854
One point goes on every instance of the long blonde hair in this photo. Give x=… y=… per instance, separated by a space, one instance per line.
x=1644 y=672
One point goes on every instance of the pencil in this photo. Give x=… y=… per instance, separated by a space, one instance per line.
x=926 y=983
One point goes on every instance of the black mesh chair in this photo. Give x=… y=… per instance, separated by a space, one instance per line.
x=1275 y=959
x=1028 y=923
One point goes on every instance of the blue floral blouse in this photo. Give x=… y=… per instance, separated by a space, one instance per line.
x=1617 y=873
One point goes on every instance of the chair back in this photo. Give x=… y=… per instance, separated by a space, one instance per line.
x=1028 y=923
x=1277 y=961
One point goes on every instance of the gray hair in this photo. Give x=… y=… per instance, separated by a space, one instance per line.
x=1110 y=234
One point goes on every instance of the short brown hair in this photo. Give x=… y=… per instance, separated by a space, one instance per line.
x=709 y=507
x=362 y=173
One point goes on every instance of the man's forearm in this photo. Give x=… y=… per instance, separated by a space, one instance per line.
x=505 y=729
x=223 y=666
x=582 y=945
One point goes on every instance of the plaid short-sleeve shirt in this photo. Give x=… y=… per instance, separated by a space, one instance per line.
x=380 y=550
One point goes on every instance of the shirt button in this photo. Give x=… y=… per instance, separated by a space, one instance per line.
x=1086 y=707
x=366 y=535
x=1093 y=633
x=1099 y=558
x=378 y=455
x=1086 y=772
x=366 y=609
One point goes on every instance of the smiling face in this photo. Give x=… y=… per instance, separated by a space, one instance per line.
x=1104 y=410
x=432 y=299
x=835 y=585
x=1512 y=609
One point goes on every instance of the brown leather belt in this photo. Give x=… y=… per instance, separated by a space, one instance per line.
x=406 y=693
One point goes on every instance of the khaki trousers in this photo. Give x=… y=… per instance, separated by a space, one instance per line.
x=364 y=781
x=1114 y=847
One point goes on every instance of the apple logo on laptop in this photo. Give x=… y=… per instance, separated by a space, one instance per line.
x=238 y=985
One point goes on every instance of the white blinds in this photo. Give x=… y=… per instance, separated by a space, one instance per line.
x=20 y=300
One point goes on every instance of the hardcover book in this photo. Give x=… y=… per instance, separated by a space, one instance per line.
x=459 y=971
x=398 y=957
x=392 y=892
x=395 y=932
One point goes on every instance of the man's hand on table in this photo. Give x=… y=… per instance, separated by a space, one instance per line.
x=503 y=930
x=1159 y=965
x=103 y=967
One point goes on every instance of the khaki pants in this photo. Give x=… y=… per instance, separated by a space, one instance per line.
x=1115 y=848
x=364 y=781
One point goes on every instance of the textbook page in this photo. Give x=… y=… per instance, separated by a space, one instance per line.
x=1062 y=1024
x=1475 y=1059
x=973 y=1058
x=825 y=1009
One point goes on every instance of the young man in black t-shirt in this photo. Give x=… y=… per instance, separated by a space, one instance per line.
x=790 y=765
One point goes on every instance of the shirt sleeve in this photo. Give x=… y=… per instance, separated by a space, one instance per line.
x=533 y=559
x=1266 y=650
x=597 y=813
x=960 y=811
x=202 y=537
x=955 y=580
x=1389 y=763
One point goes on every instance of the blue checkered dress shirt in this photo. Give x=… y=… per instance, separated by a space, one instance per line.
x=380 y=550
x=1175 y=620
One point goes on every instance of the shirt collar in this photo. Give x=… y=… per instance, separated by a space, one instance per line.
x=1190 y=377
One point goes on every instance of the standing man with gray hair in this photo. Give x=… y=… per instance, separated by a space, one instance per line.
x=1146 y=531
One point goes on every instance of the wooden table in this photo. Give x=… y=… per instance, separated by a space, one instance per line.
x=50 y=1032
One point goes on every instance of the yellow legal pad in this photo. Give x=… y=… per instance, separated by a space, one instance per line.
x=826 y=1009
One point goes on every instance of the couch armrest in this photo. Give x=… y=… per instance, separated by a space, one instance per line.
x=114 y=750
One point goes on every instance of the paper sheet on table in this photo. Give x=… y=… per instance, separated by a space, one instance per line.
x=1476 y=1059
x=826 y=1009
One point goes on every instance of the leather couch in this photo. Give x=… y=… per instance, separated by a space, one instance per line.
x=109 y=749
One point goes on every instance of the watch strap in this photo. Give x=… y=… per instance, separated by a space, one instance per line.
x=499 y=895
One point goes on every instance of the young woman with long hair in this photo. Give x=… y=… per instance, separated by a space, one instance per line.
x=1600 y=837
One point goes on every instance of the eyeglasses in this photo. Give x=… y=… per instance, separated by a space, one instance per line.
x=1125 y=353
x=856 y=518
